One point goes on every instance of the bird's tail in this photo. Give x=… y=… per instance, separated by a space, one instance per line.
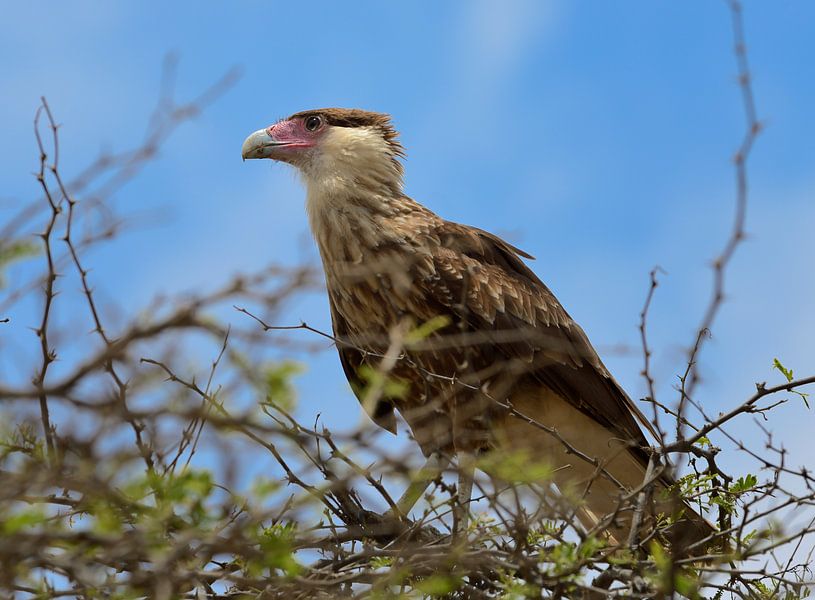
x=597 y=487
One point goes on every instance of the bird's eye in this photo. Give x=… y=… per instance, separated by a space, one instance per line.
x=313 y=123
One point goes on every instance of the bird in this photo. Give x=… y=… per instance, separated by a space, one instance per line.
x=486 y=358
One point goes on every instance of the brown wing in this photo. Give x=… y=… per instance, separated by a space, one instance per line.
x=352 y=359
x=521 y=318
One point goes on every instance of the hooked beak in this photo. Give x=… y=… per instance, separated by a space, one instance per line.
x=260 y=145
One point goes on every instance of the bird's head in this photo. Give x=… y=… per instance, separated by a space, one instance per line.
x=336 y=147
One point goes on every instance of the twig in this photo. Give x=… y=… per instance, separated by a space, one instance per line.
x=752 y=130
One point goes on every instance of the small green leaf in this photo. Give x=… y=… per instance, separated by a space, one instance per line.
x=278 y=381
x=747 y=539
x=761 y=588
x=438 y=585
x=788 y=375
x=661 y=558
x=23 y=520
x=14 y=251
x=686 y=585
x=516 y=466
x=263 y=487
x=275 y=544
x=387 y=385
x=381 y=562
x=106 y=519
x=786 y=372
x=743 y=484
x=426 y=329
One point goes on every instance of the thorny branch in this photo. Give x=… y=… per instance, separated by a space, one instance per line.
x=690 y=378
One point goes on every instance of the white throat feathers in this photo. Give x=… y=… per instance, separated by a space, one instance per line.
x=351 y=178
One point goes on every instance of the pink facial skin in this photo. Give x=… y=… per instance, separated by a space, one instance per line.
x=285 y=140
x=293 y=133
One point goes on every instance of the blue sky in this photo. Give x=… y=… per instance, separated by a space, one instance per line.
x=596 y=136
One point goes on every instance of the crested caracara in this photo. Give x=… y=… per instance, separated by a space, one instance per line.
x=502 y=367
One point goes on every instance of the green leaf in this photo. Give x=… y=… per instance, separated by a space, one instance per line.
x=744 y=484
x=748 y=539
x=661 y=558
x=278 y=381
x=785 y=371
x=24 y=519
x=788 y=375
x=517 y=589
x=426 y=329
x=264 y=487
x=275 y=544
x=686 y=585
x=14 y=251
x=438 y=585
x=389 y=386
x=381 y=562
x=105 y=518
x=763 y=590
x=519 y=467
x=589 y=547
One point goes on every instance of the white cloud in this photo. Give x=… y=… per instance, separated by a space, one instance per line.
x=497 y=34
x=487 y=46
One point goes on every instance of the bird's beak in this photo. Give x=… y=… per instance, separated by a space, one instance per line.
x=261 y=144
